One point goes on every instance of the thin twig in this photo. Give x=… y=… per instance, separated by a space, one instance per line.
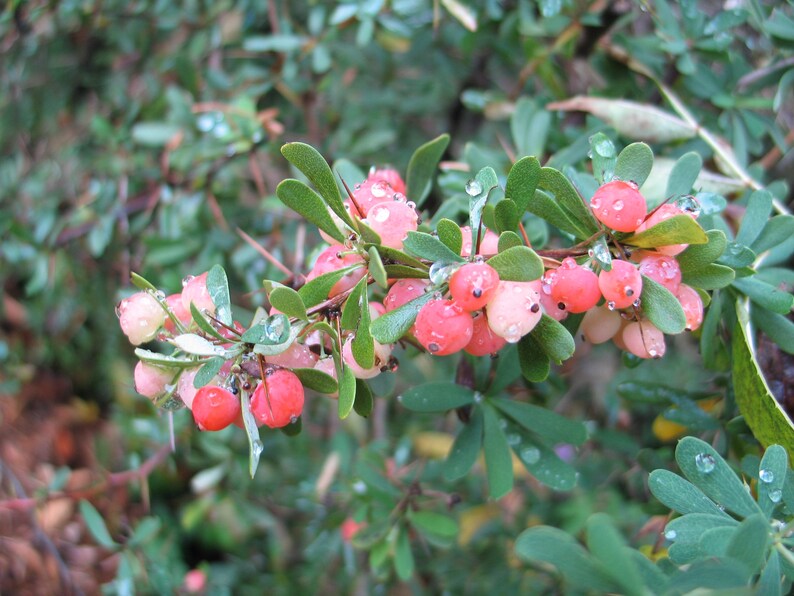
x=264 y=252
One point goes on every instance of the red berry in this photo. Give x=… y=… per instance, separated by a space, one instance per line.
x=622 y=285
x=662 y=269
x=140 y=317
x=619 y=206
x=403 y=291
x=515 y=309
x=692 y=304
x=551 y=307
x=483 y=340
x=278 y=400
x=215 y=408
x=297 y=355
x=443 y=327
x=185 y=389
x=573 y=286
x=473 y=285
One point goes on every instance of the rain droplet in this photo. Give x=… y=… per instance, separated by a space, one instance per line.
x=187 y=279
x=611 y=305
x=359 y=487
x=473 y=188
x=704 y=462
x=221 y=130
x=602 y=255
x=477 y=397
x=766 y=476
x=379 y=189
x=670 y=534
x=513 y=439
x=775 y=495
x=205 y=122
x=274 y=329
x=440 y=271
x=689 y=204
x=618 y=205
x=257 y=447
x=530 y=455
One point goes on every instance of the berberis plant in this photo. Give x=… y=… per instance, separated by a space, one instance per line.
x=393 y=274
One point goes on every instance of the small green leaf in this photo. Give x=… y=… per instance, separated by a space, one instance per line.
x=686 y=532
x=347 y=392
x=684 y=174
x=154 y=134
x=553 y=338
x=218 y=289
x=772 y=478
x=608 y=546
x=390 y=327
x=273 y=330
x=436 y=397
x=479 y=190
x=422 y=166
x=698 y=256
x=465 y=449
x=392 y=255
x=309 y=161
x=777 y=327
x=661 y=307
x=317 y=380
x=288 y=301
x=710 y=277
x=750 y=542
x=96 y=525
x=704 y=467
x=765 y=295
x=203 y=324
x=634 y=163
x=430 y=248
x=364 y=400
x=317 y=290
x=438 y=524
x=759 y=206
x=529 y=126
x=519 y=263
x=544 y=206
x=498 y=462
x=535 y=364
x=362 y=344
x=307 y=203
x=540 y=460
x=192 y=343
x=737 y=256
x=568 y=199
x=604 y=157
x=679 y=229
x=508 y=240
x=351 y=311
x=207 y=372
x=164 y=361
x=522 y=181
x=505 y=216
x=776 y=231
x=543 y=422
x=376 y=269
x=681 y=495
x=450 y=234
x=403 y=557
x=770 y=581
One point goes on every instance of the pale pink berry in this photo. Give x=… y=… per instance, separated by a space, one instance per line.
x=371 y=192
x=574 y=287
x=443 y=328
x=382 y=355
x=619 y=206
x=644 y=340
x=185 y=388
x=600 y=324
x=661 y=214
x=376 y=309
x=662 y=269
x=483 y=340
x=392 y=220
x=489 y=242
x=194 y=289
x=390 y=176
x=337 y=257
x=473 y=285
x=297 y=355
x=403 y=291
x=140 y=317
x=515 y=309
x=622 y=285
x=692 y=304
x=150 y=380
x=183 y=315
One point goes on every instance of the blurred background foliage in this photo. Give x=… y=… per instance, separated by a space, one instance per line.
x=141 y=135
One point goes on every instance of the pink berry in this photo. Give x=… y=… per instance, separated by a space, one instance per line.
x=692 y=304
x=382 y=355
x=619 y=206
x=140 y=317
x=403 y=291
x=473 y=285
x=150 y=380
x=369 y=193
x=622 y=285
x=278 y=400
x=337 y=257
x=215 y=408
x=600 y=324
x=644 y=340
x=185 y=389
x=551 y=307
x=297 y=355
x=483 y=340
x=662 y=269
x=176 y=305
x=392 y=220
x=390 y=176
x=194 y=289
x=661 y=214
x=350 y=528
x=489 y=242
x=515 y=309
x=574 y=287
x=443 y=328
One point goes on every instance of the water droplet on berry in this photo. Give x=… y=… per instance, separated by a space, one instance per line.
x=473 y=188
x=766 y=476
x=411 y=204
x=293 y=419
x=636 y=303
x=611 y=305
x=775 y=495
x=689 y=204
x=530 y=455
x=618 y=205
x=704 y=462
x=187 y=279
x=433 y=347
x=379 y=189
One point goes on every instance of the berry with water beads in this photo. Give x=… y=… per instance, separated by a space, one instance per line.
x=619 y=206
x=473 y=285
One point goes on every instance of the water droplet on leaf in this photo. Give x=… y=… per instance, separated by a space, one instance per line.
x=704 y=462
x=473 y=188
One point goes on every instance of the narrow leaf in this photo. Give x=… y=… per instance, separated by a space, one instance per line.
x=759 y=206
x=436 y=397
x=376 y=268
x=681 y=495
x=422 y=166
x=430 y=248
x=317 y=380
x=661 y=307
x=450 y=234
x=218 y=289
x=307 y=203
x=543 y=422
x=498 y=462
x=207 y=372
x=465 y=449
x=390 y=327
x=765 y=295
x=96 y=525
x=535 y=364
x=347 y=392
x=569 y=200
x=364 y=400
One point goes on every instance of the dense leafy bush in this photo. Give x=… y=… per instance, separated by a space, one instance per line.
x=149 y=142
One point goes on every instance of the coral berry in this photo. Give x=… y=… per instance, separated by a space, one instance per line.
x=278 y=400
x=515 y=309
x=473 y=285
x=389 y=175
x=619 y=206
x=573 y=286
x=337 y=257
x=392 y=220
x=483 y=340
x=215 y=408
x=194 y=290
x=382 y=355
x=443 y=327
x=662 y=269
x=140 y=317
x=692 y=304
x=177 y=307
x=622 y=285
x=403 y=291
